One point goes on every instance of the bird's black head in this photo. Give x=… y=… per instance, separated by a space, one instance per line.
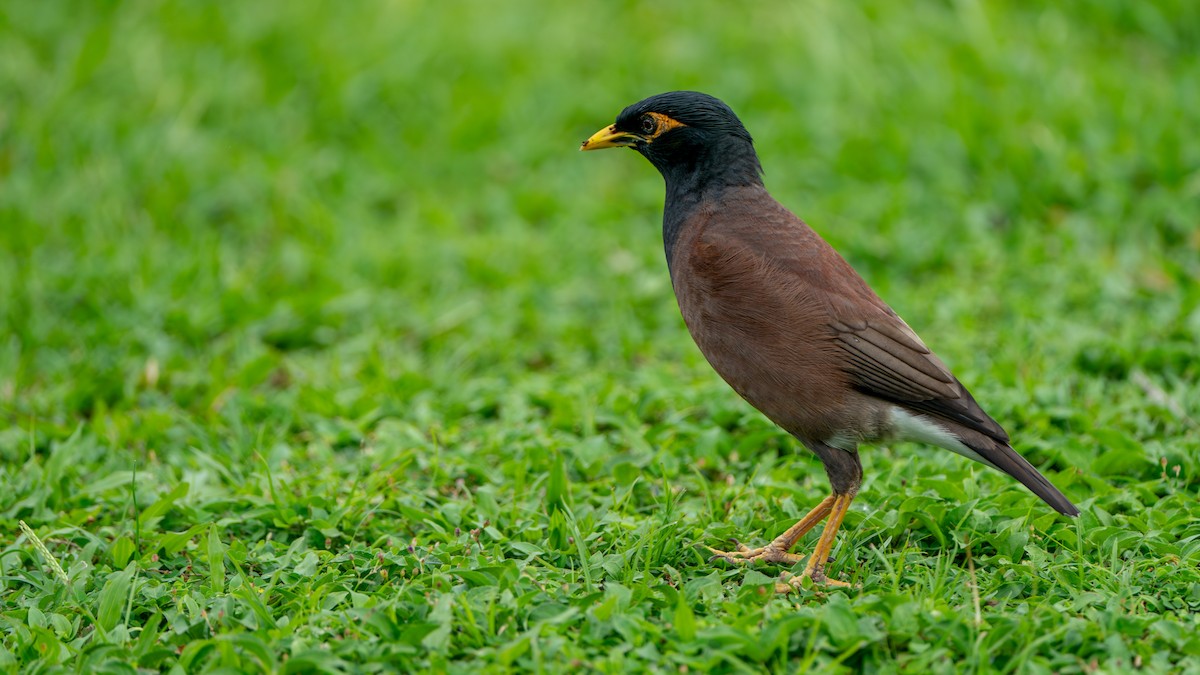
x=688 y=136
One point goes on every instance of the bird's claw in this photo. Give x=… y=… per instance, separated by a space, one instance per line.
x=791 y=583
x=764 y=554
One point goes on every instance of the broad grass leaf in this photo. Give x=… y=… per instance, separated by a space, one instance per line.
x=216 y=559
x=121 y=550
x=113 y=597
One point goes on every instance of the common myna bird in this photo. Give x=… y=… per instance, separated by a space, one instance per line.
x=790 y=325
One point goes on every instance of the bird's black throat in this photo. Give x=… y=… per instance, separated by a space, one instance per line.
x=697 y=167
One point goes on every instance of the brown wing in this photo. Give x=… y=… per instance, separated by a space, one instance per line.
x=886 y=359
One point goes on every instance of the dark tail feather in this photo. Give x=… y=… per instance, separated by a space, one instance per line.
x=1003 y=457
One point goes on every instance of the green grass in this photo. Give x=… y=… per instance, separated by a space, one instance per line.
x=322 y=348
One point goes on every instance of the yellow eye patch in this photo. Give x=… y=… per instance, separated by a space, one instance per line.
x=664 y=124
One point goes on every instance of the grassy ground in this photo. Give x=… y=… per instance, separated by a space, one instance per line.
x=321 y=347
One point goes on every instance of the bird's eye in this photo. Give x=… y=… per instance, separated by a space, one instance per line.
x=649 y=124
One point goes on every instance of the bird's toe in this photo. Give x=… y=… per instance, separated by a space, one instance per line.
x=763 y=554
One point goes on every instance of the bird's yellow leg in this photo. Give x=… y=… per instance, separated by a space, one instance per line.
x=778 y=550
x=815 y=569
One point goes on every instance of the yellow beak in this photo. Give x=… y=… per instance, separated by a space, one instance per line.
x=609 y=137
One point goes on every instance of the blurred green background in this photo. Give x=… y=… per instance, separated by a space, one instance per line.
x=340 y=268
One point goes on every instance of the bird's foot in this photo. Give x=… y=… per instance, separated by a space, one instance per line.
x=771 y=553
x=794 y=583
